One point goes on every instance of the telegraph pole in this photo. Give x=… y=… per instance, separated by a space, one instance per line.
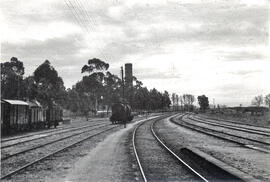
x=18 y=87
x=123 y=82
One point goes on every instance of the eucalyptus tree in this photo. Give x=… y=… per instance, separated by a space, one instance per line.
x=173 y=99
x=30 y=88
x=141 y=98
x=112 y=89
x=131 y=92
x=188 y=101
x=50 y=86
x=267 y=100
x=257 y=101
x=12 y=79
x=94 y=82
x=166 y=99
x=203 y=102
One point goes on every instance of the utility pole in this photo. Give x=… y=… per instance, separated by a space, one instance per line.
x=18 y=87
x=123 y=82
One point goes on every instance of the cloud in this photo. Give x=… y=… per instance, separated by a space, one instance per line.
x=35 y=20
x=61 y=52
x=245 y=72
x=148 y=73
x=60 y=47
x=174 y=44
x=244 y=56
x=151 y=29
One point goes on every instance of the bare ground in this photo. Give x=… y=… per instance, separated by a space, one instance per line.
x=250 y=162
x=108 y=161
x=246 y=118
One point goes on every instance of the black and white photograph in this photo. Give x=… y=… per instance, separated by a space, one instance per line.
x=135 y=90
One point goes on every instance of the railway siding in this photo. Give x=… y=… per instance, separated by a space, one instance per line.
x=55 y=167
x=33 y=156
x=252 y=163
x=244 y=141
x=13 y=151
x=246 y=135
x=113 y=153
x=222 y=165
x=244 y=128
x=74 y=124
x=46 y=137
x=245 y=124
x=110 y=160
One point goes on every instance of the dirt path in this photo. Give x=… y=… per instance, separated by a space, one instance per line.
x=107 y=162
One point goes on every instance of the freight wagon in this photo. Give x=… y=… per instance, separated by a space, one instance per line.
x=17 y=115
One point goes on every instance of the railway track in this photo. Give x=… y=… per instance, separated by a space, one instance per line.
x=230 y=126
x=243 y=141
x=6 y=155
x=157 y=162
x=260 y=140
x=9 y=139
x=238 y=123
x=12 y=167
x=42 y=136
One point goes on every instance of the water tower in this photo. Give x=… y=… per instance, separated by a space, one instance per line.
x=128 y=75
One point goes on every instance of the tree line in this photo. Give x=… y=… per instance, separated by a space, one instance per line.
x=98 y=87
x=186 y=102
x=259 y=100
x=44 y=85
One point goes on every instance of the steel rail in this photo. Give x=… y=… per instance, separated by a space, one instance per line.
x=48 y=143
x=238 y=128
x=39 y=133
x=235 y=122
x=60 y=150
x=237 y=136
x=175 y=155
x=135 y=151
x=134 y=145
x=220 y=137
x=51 y=134
x=53 y=153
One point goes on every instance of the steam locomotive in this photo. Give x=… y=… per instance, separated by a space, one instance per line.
x=121 y=113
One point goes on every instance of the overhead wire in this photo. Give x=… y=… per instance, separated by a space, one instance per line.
x=88 y=17
x=91 y=19
x=74 y=13
x=81 y=19
x=74 y=16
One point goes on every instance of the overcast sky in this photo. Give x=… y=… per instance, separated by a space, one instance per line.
x=214 y=47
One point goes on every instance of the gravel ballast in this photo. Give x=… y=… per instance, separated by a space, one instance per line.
x=109 y=161
x=254 y=163
x=158 y=163
x=59 y=166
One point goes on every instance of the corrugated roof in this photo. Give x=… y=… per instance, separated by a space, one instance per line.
x=16 y=102
x=37 y=103
x=34 y=103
